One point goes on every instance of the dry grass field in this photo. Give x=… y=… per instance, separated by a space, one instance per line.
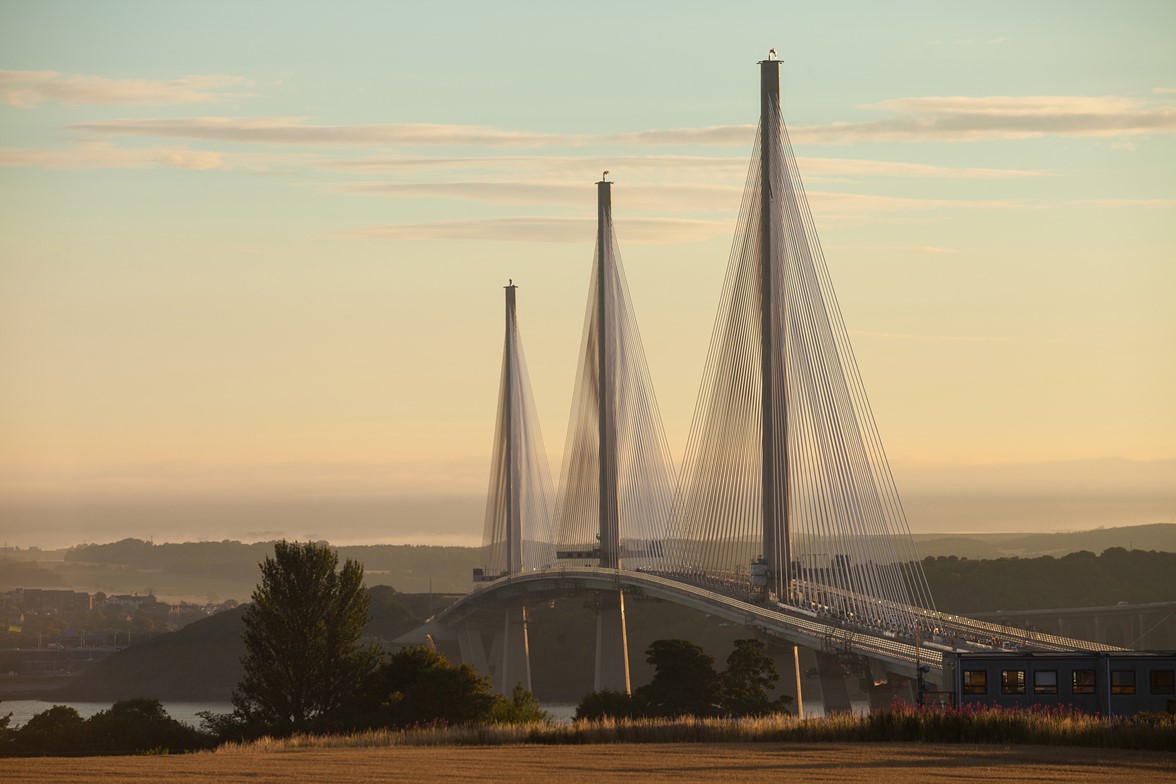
x=734 y=763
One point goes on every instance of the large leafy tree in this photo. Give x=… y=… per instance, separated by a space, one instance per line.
x=418 y=685
x=749 y=677
x=684 y=681
x=304 y=661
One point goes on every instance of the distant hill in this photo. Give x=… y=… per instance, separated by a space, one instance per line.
x=202 y=661
x=1081 y=579
x=1159 y=536
x=215 y=571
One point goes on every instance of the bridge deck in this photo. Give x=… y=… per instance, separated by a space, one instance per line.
x=798 y=626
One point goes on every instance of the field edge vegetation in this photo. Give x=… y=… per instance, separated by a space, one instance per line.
x=901 y=723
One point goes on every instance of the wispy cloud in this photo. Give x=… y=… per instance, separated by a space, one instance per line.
x=26 y=89
x=666 y=198
x=542 y=229
x=945 y=118
x=857 y=166
x=296 y=130
x=629 y=167
x=103 y=155
x=677 y=197
x=965 y=118
x=857 y=203
x=1128 y=202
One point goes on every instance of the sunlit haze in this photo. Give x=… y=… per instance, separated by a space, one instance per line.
x=252 y=254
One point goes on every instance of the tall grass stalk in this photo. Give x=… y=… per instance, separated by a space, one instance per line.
x=901 y=723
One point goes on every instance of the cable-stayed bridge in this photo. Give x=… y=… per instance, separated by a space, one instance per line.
x=784 y=516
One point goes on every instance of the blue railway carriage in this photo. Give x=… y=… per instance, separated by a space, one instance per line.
x=1110 y=683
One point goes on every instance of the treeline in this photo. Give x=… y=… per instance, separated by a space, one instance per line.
x=128 y=727
x=1080 y=579
x=685 y=683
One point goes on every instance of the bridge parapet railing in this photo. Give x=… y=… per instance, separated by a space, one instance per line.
x=769 y=620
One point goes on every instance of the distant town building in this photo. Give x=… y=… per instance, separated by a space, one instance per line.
x=41 y=599
x=130 y=601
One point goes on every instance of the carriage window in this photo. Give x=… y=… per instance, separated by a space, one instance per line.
x=1012 y=681
x=975 y=682
x=1083 y=682
x=1122 y=681
x=1163 y=681
x=1045 y=682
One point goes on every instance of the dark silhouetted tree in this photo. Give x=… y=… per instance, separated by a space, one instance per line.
x=607 y=703
x=418 y=685
x=59 y=730
x=749 y=677
x=684 y=681
x=304 y=661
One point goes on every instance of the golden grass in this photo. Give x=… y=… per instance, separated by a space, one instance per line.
x=881 y=763
x=985 y=725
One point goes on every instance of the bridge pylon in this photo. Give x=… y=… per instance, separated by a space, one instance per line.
x=785 y=488
x=615 y=505
x=517 y=534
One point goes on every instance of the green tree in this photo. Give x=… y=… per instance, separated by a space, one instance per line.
x=749 y=677
x=520 y=707
x=606 y=703
x=138 y=725
x=304 y=661
x=58 y=730
x=5 y=733
x=684 y=681
x=418 y=685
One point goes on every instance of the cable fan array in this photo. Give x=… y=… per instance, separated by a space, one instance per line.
x=839 y=540
x=780 y=382
x=634 y=447
x=520 y=482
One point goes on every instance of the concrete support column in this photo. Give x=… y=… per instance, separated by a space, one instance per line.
x=513 y=663
x=612 y=644
x=472 y=647
x=796 y=676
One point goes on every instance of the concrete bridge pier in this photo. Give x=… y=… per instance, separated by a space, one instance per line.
x=511 y=652
x=472 y=645
x=507 y=661
x=786 y=656
x=612 y=643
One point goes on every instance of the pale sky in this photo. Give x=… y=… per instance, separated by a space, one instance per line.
x=251 y=253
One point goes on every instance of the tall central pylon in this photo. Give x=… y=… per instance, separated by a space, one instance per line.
x=610 y=536
x=616 y=492
x=785 y=488
x=777 y=539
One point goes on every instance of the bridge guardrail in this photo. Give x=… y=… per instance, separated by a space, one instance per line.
x=858 y=641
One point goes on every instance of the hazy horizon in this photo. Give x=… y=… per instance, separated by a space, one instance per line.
x=951 y=500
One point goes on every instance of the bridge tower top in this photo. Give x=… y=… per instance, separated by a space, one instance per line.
x=517 y=534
